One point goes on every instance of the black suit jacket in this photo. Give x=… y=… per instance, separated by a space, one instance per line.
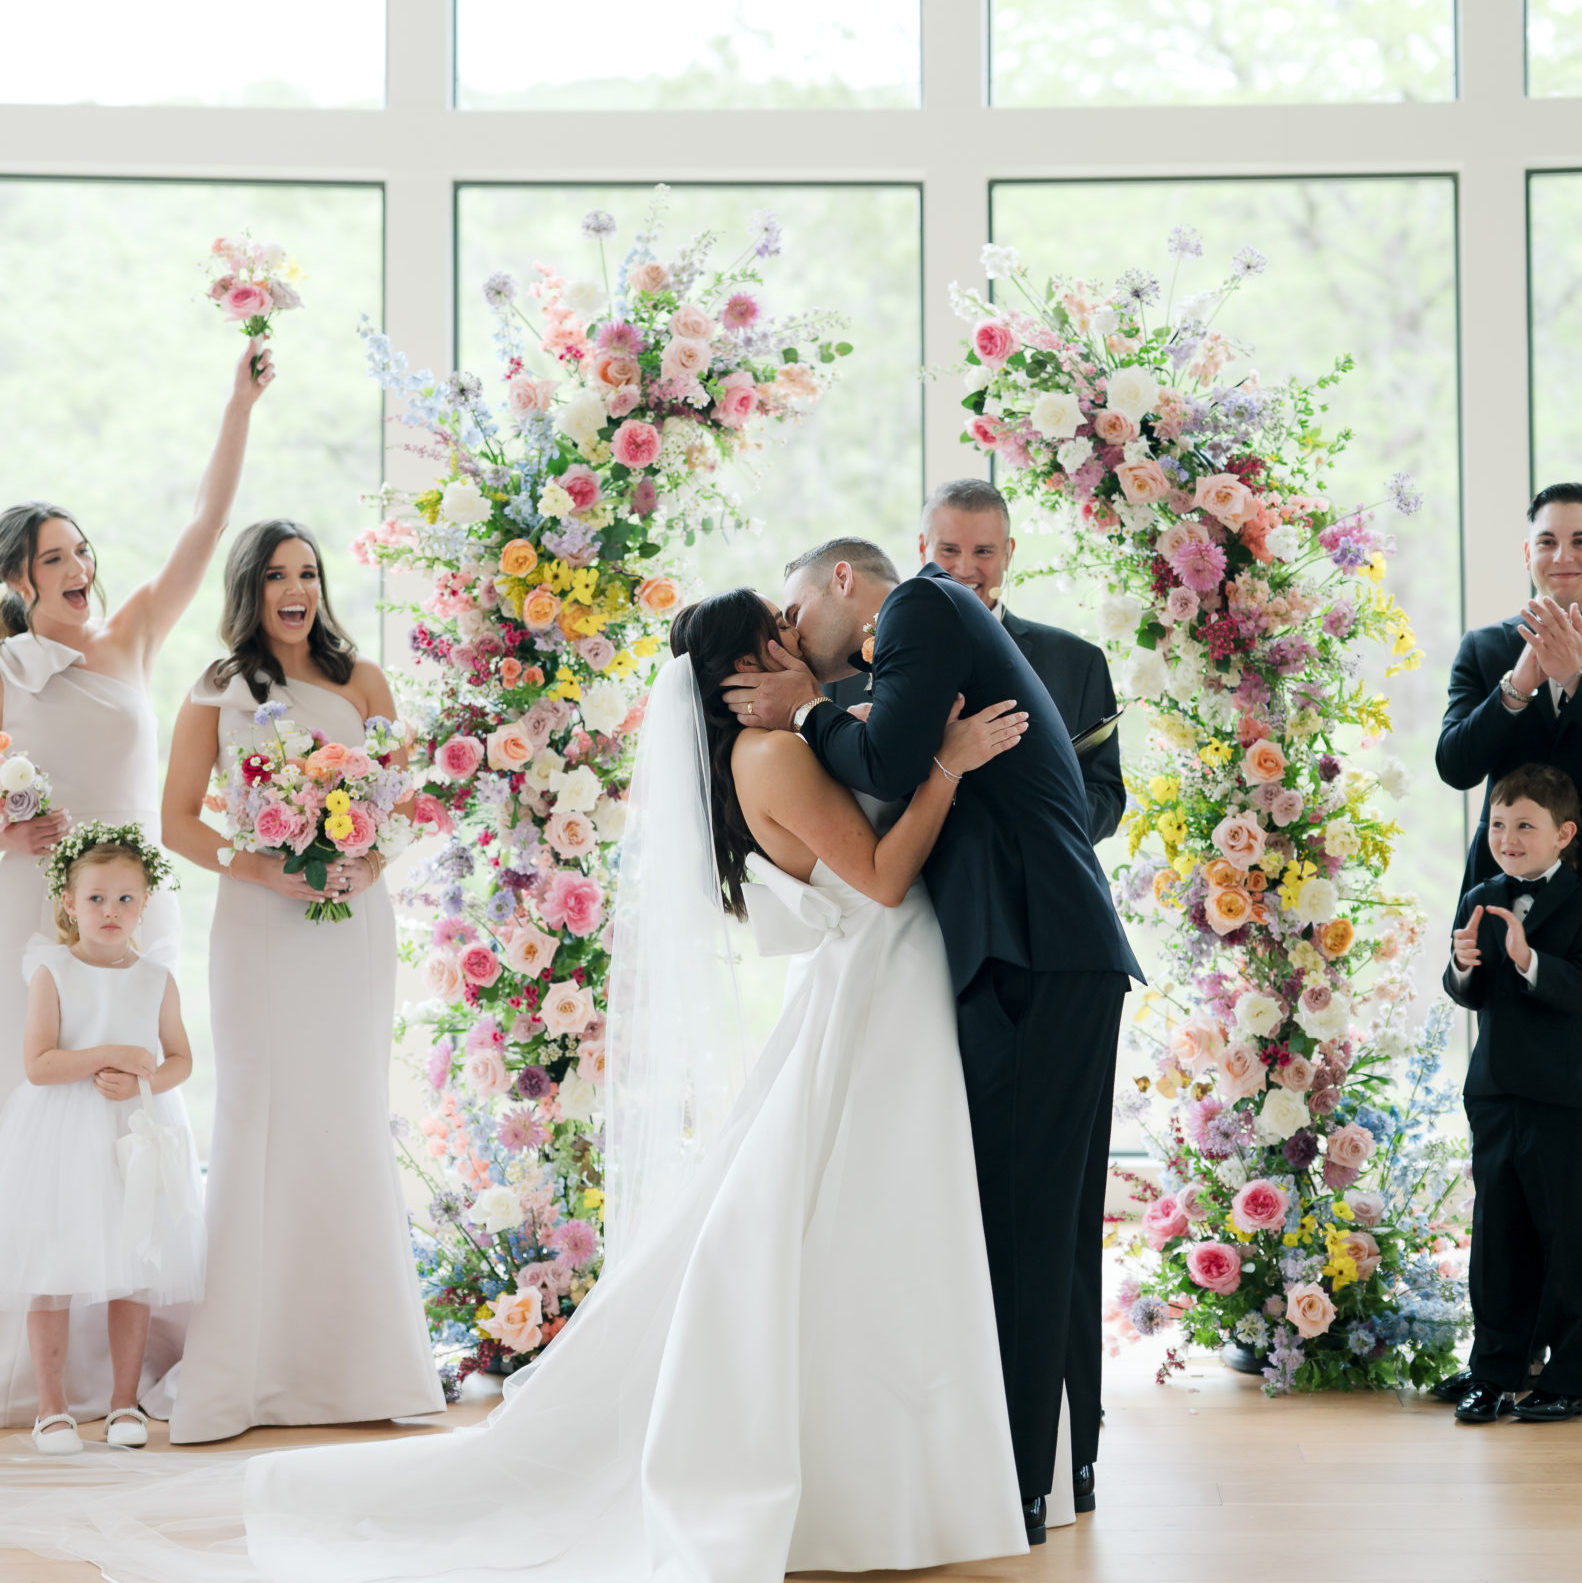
x=1481 y=739
x=1077 y=678
x=1013 y=875
x=1529 y=1043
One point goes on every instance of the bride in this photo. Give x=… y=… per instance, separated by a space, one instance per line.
x=790 y=1361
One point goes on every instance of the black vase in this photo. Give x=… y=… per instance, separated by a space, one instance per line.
x=1243 y=1359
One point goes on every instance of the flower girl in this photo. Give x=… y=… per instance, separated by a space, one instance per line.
x=100 y=1200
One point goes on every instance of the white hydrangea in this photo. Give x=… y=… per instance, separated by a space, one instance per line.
x=1119 y=615
x=1283 y=542
x=1056 y=415
x=463 y=504
x=1232 y=1172
x=999 y=260
x=1073 y=453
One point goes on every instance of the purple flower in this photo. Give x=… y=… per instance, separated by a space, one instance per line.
x=1248 y=261
x=1149 y=1315
x=267 y=714
x=1328 y=767
x=764 y=228
x=1185 y=242
x=1139 y=287
x=1300 y=1150
x=532 y=1082
x=1403 y=494
x=1200 y=566
x=499 y=289
x=597 y=224
x=20 y=805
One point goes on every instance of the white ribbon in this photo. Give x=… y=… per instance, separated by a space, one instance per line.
x=152 y=1157
x=788 y=918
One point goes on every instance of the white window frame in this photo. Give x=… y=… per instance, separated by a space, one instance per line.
x=955 y=145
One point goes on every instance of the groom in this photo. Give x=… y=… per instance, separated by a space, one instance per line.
x=1038 y=959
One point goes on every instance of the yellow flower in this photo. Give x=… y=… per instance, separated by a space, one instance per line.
x=338 y=826
x=553 y=501
x=584 y=581
x=646 y=645
x=337 y=801
x=1304 y=723
x=1405 y=642
x=622 y=665
x=1376 y=566
x=1171 y=826
x=558 y=576
x=566 y=685
x=1341 y=1210
x=1215 y=754
x=428 y=504
x=1184 y=865
x=482 y=1313
x=593 y=1198
x=1290 y=1239
x=1291 y=882
x=1164 y=788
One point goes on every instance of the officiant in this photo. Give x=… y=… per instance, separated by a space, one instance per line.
x=966 y=530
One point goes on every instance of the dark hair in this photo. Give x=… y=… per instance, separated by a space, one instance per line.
x=719 y=632
x=1552 y=789
x=1554 y=495
x=863 y=555
x=967 y=494
x=242 y=621
x=19 y=527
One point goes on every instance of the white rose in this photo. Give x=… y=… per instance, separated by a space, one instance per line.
x=577 y=1097
x=583 y=296
x=977 y=376
x=1186 y=677
x=1341 y=839
x=1333 y=1022
x=1283 y=542
x=1284 y=1112
x=496 y=1209
x=604 y=706
x=17 y=774
x=1056 y=415
x=1395 y=778
x=1131 y=390
x=1138 y=519
x=1119 y=615
x=545 y=767
x=576 y=791
x=1257 y=1014
x=1145 y=674
x=609 y=818
x=463 y=504
x=1316 y=902
x=1073 y=453
x=581 y=418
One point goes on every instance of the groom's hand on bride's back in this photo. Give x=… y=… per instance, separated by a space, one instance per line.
x=768 y=699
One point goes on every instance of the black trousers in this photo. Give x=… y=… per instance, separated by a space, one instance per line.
x=1526 y=1242
x=1038 y=1051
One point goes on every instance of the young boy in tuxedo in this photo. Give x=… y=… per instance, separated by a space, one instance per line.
x=1517 y=961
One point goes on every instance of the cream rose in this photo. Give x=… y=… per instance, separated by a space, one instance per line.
x=1282 y=1114
x=1308 y=1307
x=1131 y=391
x=1258 y=1014
x=690 y=323
x=1223 y=495
x=1241 y=1073
x=1056 y=415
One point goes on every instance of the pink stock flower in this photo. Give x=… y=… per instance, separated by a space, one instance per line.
x=572 y=901
x=1215 y=1267
x=636 y=444
x=458 y=757
x=1259 y=1206
x=1163 y=1221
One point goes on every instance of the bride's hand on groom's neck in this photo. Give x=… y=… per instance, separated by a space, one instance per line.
x=767 y=699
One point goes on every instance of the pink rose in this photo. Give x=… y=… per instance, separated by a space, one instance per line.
x=1324 y=1101
x=246 y=302
x=1194 y=1202
x=364 y=831
x=528 y=395
x=428 y=809
x=738 y=400
x=648 y=278
x=1225 y=496
x=1215 y=1267
x=1181 y=605
x=690 y=323
x=1296 y=1074
x=596 y=651
x=511 y=747
x=1308 y=1307
x=636 y=444
x=684 y=360
x=1350 y=1147
x=624 y=400
x=485 y=1073
x=1263 y=761
x=530 y=951
x=1259 y=1206
x=1368 y=1207
x=442 y=976
x=615 y=368
x=985 y=431
x=1241 y=1073
x=1198 y=1042
x=276 y=824
x=566 y=1008
x=1163 y=1221
x=458 y=757
x=1178 y=534
x=570 y=834
x=582 y=484
x=480 y=966
x=1363 y=1249
x=1114 y=428
x=1287 y=806
x=572 y=901
x=1241 y=838
x=994 y=341
x=1142 y=483
x=517 y=1320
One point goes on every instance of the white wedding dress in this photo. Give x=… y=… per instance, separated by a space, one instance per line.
x=793 y=1367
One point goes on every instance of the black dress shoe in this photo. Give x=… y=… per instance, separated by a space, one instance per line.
x=1033 y=1516
x=1482 y=1404
x=1452 y=1389
x=1548 y=1407
x=1082 y=1488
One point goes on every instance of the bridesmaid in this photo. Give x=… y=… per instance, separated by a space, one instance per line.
x=312 y=1313
x=74 y=696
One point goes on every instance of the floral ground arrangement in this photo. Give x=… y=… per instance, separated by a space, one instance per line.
x=542 y=544
x=1303 y=1207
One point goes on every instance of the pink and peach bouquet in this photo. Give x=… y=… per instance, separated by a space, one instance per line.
x=250 y=282
x=312 y=801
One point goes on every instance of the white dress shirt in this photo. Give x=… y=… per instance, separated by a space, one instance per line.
x=1520 y=907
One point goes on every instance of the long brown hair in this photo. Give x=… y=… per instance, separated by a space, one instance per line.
x=718 y=632
x=242 y=621
x=19 y=529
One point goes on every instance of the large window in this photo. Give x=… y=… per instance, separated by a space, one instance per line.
x=1555 y=240
x=111 y=388
x=1554 y=48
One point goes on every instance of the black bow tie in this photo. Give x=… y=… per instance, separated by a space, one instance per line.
x=1524 y=887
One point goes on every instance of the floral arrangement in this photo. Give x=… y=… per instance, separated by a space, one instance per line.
x=251 y=282
x=24 y=788
x=1302 y=1209
x=312 y=801
x=541 y=544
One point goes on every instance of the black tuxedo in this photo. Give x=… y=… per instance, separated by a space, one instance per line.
x=1077 y=678
x=1039 y=963
x=1481 y=739
x=1524 y=1102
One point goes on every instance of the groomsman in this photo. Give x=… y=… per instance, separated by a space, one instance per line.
x=966 y=530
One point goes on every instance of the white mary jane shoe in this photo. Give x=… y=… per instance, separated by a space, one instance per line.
x=59 y=1442
x=126 y=1426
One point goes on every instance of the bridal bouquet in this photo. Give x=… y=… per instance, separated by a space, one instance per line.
x=630 y=391
x=252 y=281
x=313 y=801
x=1303 y=1209
x=24 y=788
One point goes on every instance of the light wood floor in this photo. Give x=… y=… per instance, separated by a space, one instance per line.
x=1205 y=1481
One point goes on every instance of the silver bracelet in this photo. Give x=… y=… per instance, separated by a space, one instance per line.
x=946 y=773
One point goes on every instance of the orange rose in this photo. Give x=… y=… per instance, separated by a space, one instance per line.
x=1165 y=883
x=510 y=670
x=867 y=650
x=1264 y=761
x=1257 y=881
x=518 y=558
x=534 y=676
x=659 y=595
x=5 y=741
x=1227 y=909
x=540 y=610
x=327 y=762
x=1335 y=938
x=1221 y=873
x=1225 y=496
x=570 y=614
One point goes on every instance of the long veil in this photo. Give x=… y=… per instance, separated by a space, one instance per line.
x=677 y=1059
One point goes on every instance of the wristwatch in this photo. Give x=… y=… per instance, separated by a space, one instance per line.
x=804 y=710
x=1511 y=690
x=225 y=856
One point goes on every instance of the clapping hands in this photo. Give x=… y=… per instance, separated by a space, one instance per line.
x=1554 y=643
